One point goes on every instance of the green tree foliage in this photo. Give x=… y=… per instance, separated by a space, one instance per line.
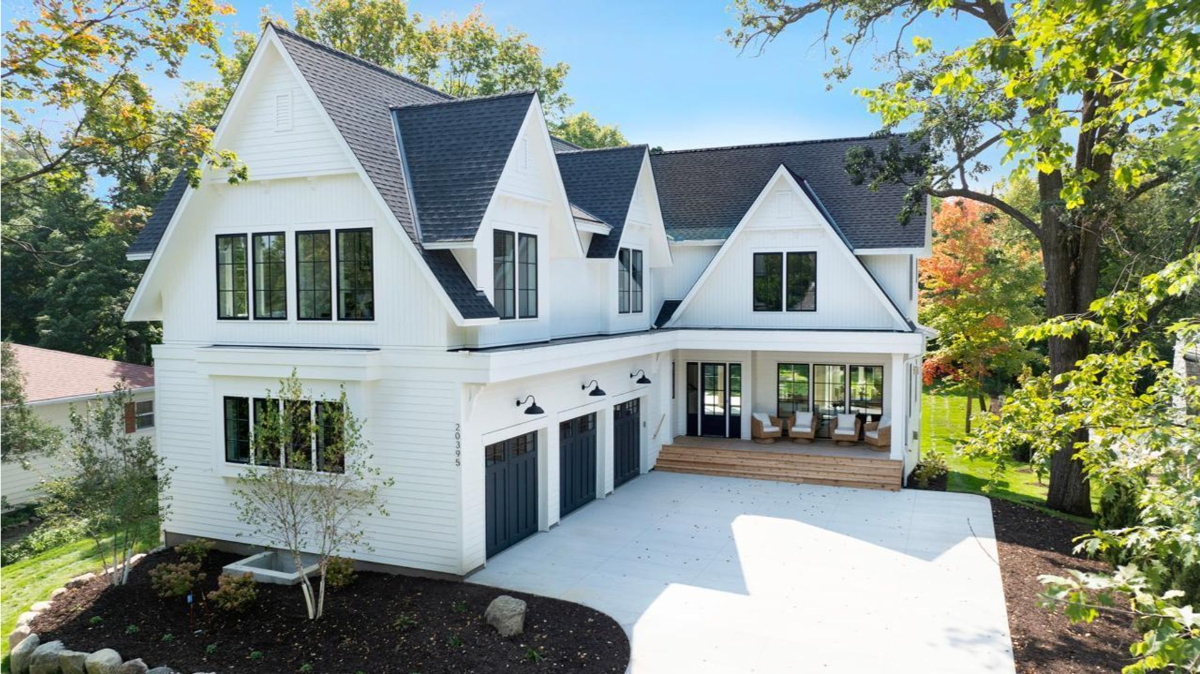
x=111 y=481
x=23 y=433
x=583 y=130
x=1100 y=98
x=1143 y=420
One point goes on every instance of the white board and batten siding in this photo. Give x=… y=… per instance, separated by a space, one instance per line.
x=689 y=262
x=897 y=275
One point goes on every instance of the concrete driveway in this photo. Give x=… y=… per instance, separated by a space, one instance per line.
x=713 y=574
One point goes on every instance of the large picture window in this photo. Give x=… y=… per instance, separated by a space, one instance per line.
x=504 y=267
x=866 y=389
x=233 y=297
x=270 y=276
x=527 y=254
x=794 y=389
x=629 y=281
x=801 y=281
x=315 y=437
x=314 y=260
x=356 y=275
x=768 y=281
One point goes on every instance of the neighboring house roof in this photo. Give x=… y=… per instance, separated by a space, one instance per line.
x=603 y=181
x=454 y=153
x=704 y=193
x=50 y=375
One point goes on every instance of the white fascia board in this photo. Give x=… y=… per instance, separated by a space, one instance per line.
x=99 y=395
x=697 y=243
x=659 y=235
x=450 y=245
x=889 y=251
x=138 y=257
x=278 y=363
x=593 y=227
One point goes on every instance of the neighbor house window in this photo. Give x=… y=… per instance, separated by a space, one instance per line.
x=270 y=276
x=356 y=275
x=527 y=279
x=801 y=281
x=504 y=266
x=314 y=297
x=237 y=430
x=233 y=299
x=866 y=389
x=793 y=389
x=768 y=281
x=629 y=281
x=315 y=437
x=139 y=415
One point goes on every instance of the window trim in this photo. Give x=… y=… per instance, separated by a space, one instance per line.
x=249 y=430
x=332 y=281
x=217 y=268
x=336 y=281
x=516 y=274
x=808 y=367
x=518 y=288
x=251 y=401
x=783 y=281
x=627 y=275
x=787 y=285
x=254 y=276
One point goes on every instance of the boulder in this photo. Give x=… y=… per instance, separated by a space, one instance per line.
x=45 y=659
x=26 y=617
x=105 y=661
x=41 y=606
x=134 y=667
x=72 y=662
x=18 y=635
x=57 y=592
x=507 y=615
x=80 y=581
x=18 y=658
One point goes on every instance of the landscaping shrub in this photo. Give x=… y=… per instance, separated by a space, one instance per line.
x=175 y=580
x=932 y=467
x=194 y=550
x=234 y=593
x=339 y=572
x=48 y=535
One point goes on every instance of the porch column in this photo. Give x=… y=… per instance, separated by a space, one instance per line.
x=899 y=407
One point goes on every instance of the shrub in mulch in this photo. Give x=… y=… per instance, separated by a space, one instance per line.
x=378 y=623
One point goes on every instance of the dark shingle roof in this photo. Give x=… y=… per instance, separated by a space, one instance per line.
x=147 y=239
x=602 y=181
x=455 y=152
x=561 y=145
x=704 y=193
x=666 y=312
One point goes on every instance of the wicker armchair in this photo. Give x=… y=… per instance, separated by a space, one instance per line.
x=845 y=428
x=796 y=429
x=764 y=428
x=878 y=434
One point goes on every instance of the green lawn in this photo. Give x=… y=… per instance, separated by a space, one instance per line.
x=942 y=426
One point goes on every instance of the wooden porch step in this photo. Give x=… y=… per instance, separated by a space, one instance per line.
x=784 y=466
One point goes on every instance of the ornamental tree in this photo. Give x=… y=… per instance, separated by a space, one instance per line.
x=22 y=433
x=1100 y=98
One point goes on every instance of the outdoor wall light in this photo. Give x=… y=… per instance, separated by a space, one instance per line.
x=596 y=392
x=533 y=409
x=643 y=380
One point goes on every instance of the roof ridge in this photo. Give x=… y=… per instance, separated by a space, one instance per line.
x=474 y=99
x=781 y=143
x=604 y=149
x=359 y=60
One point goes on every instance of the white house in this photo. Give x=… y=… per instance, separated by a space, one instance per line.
x=523 y=324
x=54 y=382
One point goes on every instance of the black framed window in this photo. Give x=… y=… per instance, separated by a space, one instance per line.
x=623 y=281
x=801 y=281
x=331 y=456
x=635 y=282
x=298 y=414
x=504 y=266
x=237 y=430
x=866 y=389
x=629 y=281
x=233 y=297
x=768 y=281
x=794 y=389
x=356 y=275
x=528 y=275
x=270 y=275
x=266 y=453
x=314 y=259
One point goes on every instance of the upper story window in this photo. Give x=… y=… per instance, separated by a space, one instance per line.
x=270 y=276
x=314 y=286
x=514 y=294
x=233 y=297
x=314 y=433
x=356 y=275
x=796 y=281
x=629 y=281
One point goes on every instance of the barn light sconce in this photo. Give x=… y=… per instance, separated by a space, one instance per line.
x=596 y=392
x=643 y=380
x=533 y=409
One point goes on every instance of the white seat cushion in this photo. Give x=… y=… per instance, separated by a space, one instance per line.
x=770 y=429
x=846 y=421
x=802 y=423
x=843 y=431
x=874 y=435
x=763 y=418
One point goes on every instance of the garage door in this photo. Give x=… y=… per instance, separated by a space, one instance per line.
x=577 y=463
x=627 y=442
x=512 y=485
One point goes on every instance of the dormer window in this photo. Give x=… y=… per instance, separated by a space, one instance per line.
x=515 y=274
x=629 y=281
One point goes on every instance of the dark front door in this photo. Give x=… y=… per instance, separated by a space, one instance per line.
x=713 y=399
x=512 y=490
x=627 y=442
x=577 y=463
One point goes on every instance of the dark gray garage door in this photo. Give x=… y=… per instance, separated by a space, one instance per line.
x=627 y=442
x=577 y=463
x=512 y=490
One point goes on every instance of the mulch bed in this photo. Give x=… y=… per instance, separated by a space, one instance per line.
x=357 y=633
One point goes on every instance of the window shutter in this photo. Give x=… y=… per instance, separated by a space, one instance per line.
x=130 y=417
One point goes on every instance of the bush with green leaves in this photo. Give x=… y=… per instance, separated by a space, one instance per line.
x=339 y=572
x=47 y=536
x=194 y=550
x=931 y=467
x=234 y=593
x=175 y=580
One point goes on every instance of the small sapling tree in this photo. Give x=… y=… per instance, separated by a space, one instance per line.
x=311 y=482
x=111 y=481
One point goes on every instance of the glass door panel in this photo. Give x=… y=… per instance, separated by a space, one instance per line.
x=713 y=400
x=829 y=394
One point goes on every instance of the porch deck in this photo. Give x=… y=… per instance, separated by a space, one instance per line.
x=821 y=462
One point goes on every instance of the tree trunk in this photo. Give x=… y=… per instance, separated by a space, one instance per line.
x=970 y=401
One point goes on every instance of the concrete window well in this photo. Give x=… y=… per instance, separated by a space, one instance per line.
x=272 y=566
